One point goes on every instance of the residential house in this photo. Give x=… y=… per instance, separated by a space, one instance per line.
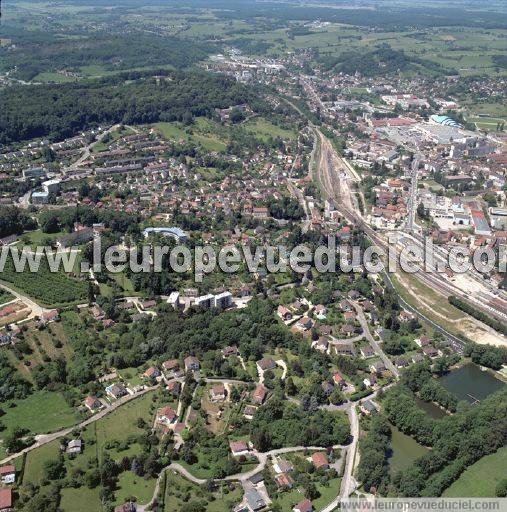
x=320 y=310
x=405 y=316
x=284 y=313
x=322 y=344
x=5 y=500
x=344 y=349
x=191 y=364
x=417 y=358
x=304 y=324
x=401 y=362
x=370 y=381
x=339 y=380
x=254 y=500
x=48 y=317
x=166 y=416
x=97 y=313
x=126 y=507
x=319 y=461
x=171 y=368
x=368 y=408
x=116 y=391
x=423 y=341
x=229 y=351
x=377 y=367
x=350 y=316
x=75 y=446
x=259 y=394
x=430 y=352
x=345 y=305
x=282 y=466
x=92 y=403
x=266 y=364
x=284 y=481
x=8 y=474
x=239 y=448
x=174 y=388
x=249 y=412
x=218 y=393
x=151 y=373
x=348 y=330
x=367 y=351
x=303 y=506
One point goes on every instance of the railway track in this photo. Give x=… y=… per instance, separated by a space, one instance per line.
x=332 y=189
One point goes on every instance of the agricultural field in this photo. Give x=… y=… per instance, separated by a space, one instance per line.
x=50 y=289
x=264 y=130
x=480 y=479
x=38 y=345
x=5 y=296
x=115 y=435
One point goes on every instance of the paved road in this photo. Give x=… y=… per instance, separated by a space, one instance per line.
x=371 y=340
x=36 y=309
x=48 y=438
x=348 y=482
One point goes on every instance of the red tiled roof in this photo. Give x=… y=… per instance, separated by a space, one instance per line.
x=5 y=499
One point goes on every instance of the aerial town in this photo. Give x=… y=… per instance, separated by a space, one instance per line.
x=153 y=390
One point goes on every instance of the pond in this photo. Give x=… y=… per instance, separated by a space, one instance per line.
x=470 y=383
x=404 y=451
x=432 y=410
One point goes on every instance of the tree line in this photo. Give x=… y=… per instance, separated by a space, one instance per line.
x=479 y=315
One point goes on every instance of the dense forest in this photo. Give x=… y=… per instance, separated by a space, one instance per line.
x=457 y=440
x=60 y=111
x=117 y=52
x=13 y=221
x=383 y=62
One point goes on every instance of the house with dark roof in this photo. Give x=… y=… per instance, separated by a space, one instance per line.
x=266 y=363
x=254 y=500
x=116 y=391
x=239 y=448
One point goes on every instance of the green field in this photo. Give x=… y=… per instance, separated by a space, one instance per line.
x=34 y=465
x=49 y=76
x=37 y=238
x=42 y=412
x=263 y=129
x=480 y=479
x=79 y=500
x=203 y=133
